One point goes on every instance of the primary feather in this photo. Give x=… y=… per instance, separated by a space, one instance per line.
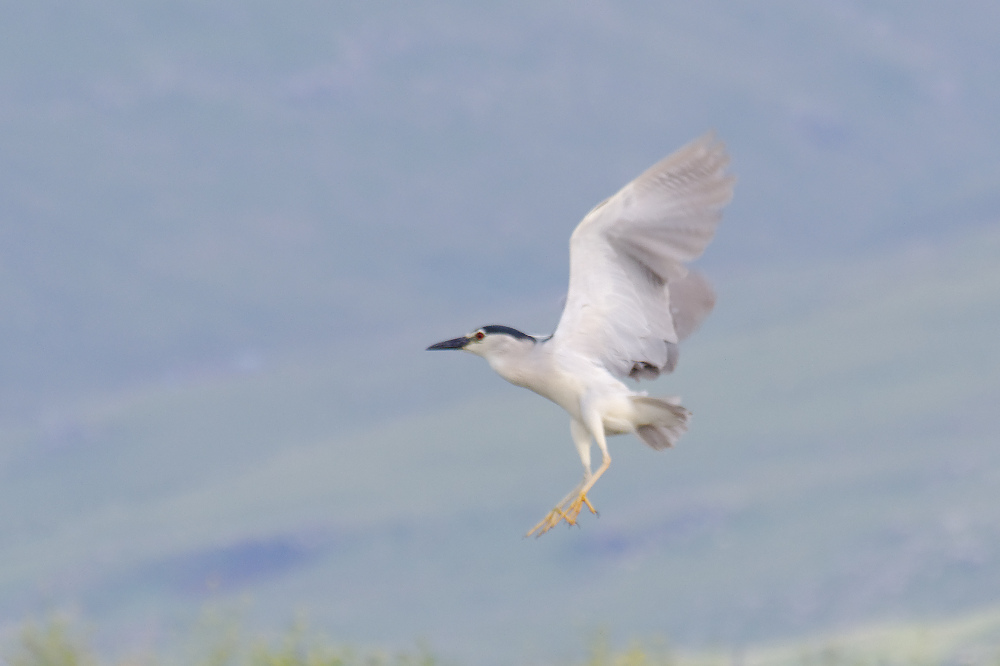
x=627 y=263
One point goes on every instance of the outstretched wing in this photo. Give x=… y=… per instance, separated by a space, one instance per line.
x=631 y=299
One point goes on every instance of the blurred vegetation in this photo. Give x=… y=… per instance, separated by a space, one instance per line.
x=220 y=641
x=52 y=644
x=216 y=643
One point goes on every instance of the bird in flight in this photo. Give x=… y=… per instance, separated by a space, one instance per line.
x=631 y=300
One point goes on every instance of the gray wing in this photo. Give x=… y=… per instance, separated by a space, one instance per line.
x=631 y=299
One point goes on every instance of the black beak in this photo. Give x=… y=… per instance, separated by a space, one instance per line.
x=456 y=343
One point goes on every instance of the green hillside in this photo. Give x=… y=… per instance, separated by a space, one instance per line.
x=197 y=185
x=228 y=230
x=841 y=469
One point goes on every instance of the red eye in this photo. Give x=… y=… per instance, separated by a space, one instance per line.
x=480 y=335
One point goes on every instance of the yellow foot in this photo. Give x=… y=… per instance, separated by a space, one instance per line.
x=557 y=515
x=573 y=511
x=552 y=519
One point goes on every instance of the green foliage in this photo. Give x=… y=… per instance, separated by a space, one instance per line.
x=602 y=654
x=52 y=644
x=221 y=641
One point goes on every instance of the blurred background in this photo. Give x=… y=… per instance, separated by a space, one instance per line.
x=228 y=230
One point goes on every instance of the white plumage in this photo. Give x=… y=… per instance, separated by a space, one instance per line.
x=631 y=300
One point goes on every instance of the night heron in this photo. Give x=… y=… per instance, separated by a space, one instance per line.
x=631 y=300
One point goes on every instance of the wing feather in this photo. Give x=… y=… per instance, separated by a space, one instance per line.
x=628 y=255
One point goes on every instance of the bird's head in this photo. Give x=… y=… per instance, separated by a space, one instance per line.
x=492 y=342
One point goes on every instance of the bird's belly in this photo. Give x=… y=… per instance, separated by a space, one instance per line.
x=617 y=415
x=596 y=388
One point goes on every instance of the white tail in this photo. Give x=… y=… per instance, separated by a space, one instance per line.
x=659 y=422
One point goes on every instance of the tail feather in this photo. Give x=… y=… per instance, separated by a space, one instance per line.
x=660 y=422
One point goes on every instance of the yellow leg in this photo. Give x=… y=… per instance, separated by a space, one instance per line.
x=569 y=508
